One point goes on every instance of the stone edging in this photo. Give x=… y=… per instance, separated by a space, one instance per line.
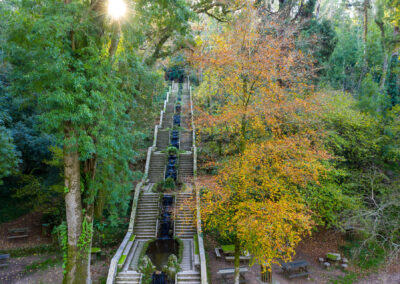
x=203 y=264
x=112 y=272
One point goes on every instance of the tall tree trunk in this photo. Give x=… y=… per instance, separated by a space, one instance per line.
x=76 y=271
x=237 y=262
x=364 y=39
x=385 y=54
x=365 y=25
x=100 y=202
x=243 y=129
x=114 y=41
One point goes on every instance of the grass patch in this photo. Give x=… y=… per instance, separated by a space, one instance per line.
x=42 y=264
x=95 y=250
x=349 y=278
x=180 y=251
x=196 y=244
x=228 y=248
x=122 y=259
x=40 y=249
x=369 y=256
x=132 y=238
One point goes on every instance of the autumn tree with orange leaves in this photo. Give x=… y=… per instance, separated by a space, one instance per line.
x=256 y=92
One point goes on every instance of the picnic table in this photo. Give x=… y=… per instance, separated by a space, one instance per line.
x=226 y=272
x=296 y=268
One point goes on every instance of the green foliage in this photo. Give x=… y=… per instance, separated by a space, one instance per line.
x=343 y=68
x=180 y=251
x=348 y=278
x=147 y=268
x=61 y=233
x=172 y=267
x=33 y=250
x=108 y=233
x=352 y=135
x=366 y=255
x=8 y=153
x=319 y=39
x=328 y=200
x=122 y=259
x=371 y=99
x=169 y=183
x=165 y=185
x=393 y=85
x=85 y=239
x=172 y=150
x=160 y=21
x=196 y=244
x=42 y=265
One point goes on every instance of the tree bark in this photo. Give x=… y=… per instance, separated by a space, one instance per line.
x=114 y=41
x=76 y=271
x=237 y=262
x=385 y=54
x=364 y=39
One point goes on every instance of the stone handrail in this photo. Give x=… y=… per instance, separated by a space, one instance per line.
x=114 y=261
x=203 y=264
x=155 y=136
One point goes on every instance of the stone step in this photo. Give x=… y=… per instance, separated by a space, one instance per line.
x=145 y=230
x=146 y=220
x=127 y=277
x=184 y=227
x=190 y=277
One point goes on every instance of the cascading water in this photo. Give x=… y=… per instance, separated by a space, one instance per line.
x=166 y=229
x=165 y=245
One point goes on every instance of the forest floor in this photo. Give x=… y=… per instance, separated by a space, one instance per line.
x=32 y=221
x=309 y=249
x=46 y=269
x=39 y=268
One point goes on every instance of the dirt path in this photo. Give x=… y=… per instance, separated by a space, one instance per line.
x=16 y=272
x=310 y=249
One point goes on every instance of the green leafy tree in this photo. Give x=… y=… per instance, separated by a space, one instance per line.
x=66 y=60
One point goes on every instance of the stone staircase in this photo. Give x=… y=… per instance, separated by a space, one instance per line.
x=185 y=166
x=184 y=227
x=186 y=264
x=186 y=122
x=128 y=277
x=188 y=277
x=162 y=139
x=157 y=167
x=170 y=108
x=134 y=260
x=146 y=216
x=186 y=142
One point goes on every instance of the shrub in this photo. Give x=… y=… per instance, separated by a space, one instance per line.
x=172 y=267
x=171 y=150
x=147 y=268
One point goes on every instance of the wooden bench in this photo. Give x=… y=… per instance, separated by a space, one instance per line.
x=225 y=272
x=18 y=233
x=297 y=268
x=4 y=260
x=241 y=258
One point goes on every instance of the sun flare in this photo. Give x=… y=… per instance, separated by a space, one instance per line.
x=116 y=8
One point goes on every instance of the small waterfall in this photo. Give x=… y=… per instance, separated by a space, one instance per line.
x=166 y=228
